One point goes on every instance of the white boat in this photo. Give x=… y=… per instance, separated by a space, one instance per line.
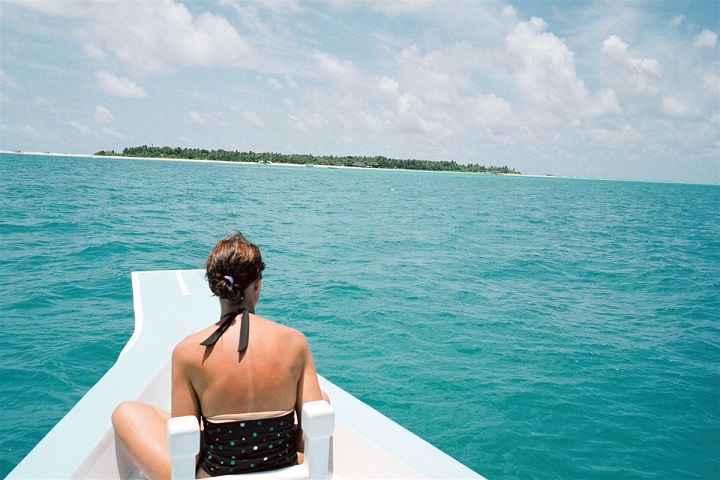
x=168 y=306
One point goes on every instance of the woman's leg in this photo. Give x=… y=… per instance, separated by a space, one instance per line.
x=142 y=429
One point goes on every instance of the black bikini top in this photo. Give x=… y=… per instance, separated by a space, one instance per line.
x=226 y=322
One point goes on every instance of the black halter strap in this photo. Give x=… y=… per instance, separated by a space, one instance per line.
x=226 y=322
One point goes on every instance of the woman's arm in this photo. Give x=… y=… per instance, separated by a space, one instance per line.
x=308 y=385
x=184 y=398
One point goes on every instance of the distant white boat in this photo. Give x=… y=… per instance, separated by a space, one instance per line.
x=168 y=306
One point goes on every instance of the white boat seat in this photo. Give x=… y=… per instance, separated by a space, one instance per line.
x=318 y=422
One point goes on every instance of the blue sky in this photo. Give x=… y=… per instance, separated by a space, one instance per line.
x=604 y=89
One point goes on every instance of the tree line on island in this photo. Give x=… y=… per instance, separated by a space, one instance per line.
x=304 y=159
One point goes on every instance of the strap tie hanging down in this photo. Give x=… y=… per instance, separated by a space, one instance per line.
x=226 y=322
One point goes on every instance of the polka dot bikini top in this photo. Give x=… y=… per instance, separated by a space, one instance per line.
x=244 y=446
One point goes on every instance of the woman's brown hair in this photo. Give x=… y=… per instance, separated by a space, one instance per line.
x=232 y=265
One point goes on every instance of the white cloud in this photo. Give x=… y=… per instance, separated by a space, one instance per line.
x=316 y=121
x=371 y=121
x=29 y=131
x=274 y=84
x=343 y=71
x=202 y=119
x=409 y=103
x=706 y=38
x=677 y=20
x=711 y=81
x=306 y=121
x=113 y=134
x=616 y=137
x=509 y=11
x=158 y=36
x=211 y=41
x=276 y=6
x=545 y=72
x=388 y=85
x=435 y=77
x=445 y=81
x=399 y=7
x=82 y=128
x=40 y=101
x=94 y=53
x=627 y=71
x=253 y=118
x=55 y=8
x=413 y=116
x=103 y=115
x=617 y=49
x=676 y=107
x=119 y=87
x=491 y=110
x=8 y=81
x=291 y=82
x=197 y=118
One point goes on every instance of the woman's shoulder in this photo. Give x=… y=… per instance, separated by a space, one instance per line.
x=190 y=345
x=286 y=333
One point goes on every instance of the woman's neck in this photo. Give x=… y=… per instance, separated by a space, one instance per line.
x=226 y=308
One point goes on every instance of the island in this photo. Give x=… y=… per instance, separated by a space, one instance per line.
x=145 y=151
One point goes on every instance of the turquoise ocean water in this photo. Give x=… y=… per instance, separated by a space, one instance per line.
x=529 y=327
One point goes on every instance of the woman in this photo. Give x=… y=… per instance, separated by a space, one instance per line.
x=246 y=377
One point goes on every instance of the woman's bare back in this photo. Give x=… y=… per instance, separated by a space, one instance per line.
x=265 y=377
